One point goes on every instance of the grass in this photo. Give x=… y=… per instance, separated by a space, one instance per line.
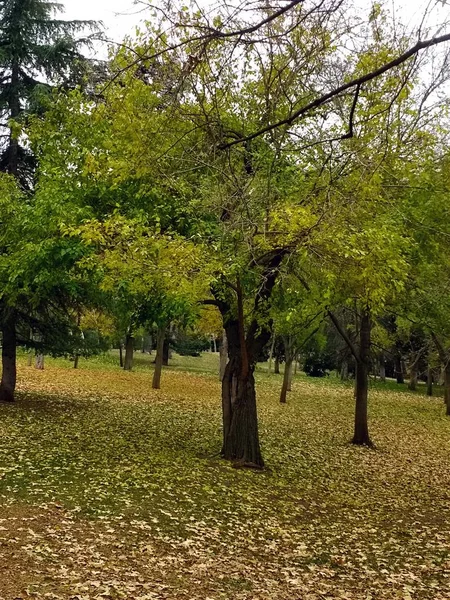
x=110 y=489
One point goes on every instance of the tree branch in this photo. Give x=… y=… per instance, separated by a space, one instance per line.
x=421 y=45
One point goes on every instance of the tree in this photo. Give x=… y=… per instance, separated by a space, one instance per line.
x=36 y=52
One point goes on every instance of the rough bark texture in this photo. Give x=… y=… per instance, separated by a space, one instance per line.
x=39 y=364
x=223 y=355
x=8 y=382
x=361 y=434
x=156 y=383
x=240 y=423
x=129 y=351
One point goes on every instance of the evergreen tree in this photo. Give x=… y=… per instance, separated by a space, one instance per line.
x=37 y=53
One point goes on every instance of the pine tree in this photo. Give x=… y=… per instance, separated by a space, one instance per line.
x=37 y=53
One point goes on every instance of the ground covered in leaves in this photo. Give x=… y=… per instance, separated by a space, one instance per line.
x=109 y=489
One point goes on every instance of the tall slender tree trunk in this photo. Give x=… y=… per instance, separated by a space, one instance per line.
x=272 y=346
x=223 y=349
x=161 y=336
x=361 y=433
x=287 y=369
x=8 y=382
x=382 y=369
x=447 y=386
x=129 y=352
x=39 y=363
x=429 y=381
x=121 y=355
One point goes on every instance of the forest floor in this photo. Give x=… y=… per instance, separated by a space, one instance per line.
x=111 y=490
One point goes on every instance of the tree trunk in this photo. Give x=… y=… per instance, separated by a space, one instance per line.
x=344 y=371
x=159 y=359
x=166 y=351
x=447 y=386
x=361 y=434
x=272 y=346
x=30 y=358
x=129 y=351
x=121 y=354
x=382 y=369
x=8 y=382
x=39 y=364
x=429 y=381
x=75 y=361
x=223 y=349
x=412 y=384
x=277 y=366
x=240 y=421
x=286 y=379
x=399 y=370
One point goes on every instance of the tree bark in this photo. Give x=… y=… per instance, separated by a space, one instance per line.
x=287 y=369
x=166 y=352
x=39 y=363
x=8 y=382
x=429 y=381
x=129 y=351
x=277 y=366
x=447 y=387
x=382 y=369
x=399 y=370
x=159 y=359
x=75 y=361
x=272 y=346
x=361 y=433
x=223 y=349
x=121 y=355
x=240 y=422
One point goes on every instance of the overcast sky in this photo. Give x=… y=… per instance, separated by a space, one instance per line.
x=120 y=17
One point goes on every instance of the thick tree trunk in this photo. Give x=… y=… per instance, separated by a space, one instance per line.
x=223 y=349
x=361 y=434
x=429 y=381
x=121 y=354
x=277 y=366
x=240 y=421
x=399 y=370
x=39 y=363
x=8 y=382
x=129 y=351
x=156 y=383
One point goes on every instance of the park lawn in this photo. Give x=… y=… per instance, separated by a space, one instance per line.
x=110 y=489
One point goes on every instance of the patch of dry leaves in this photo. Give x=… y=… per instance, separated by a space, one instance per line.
x=112 y=490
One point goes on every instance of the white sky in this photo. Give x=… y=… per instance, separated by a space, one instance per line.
x=120 y=17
